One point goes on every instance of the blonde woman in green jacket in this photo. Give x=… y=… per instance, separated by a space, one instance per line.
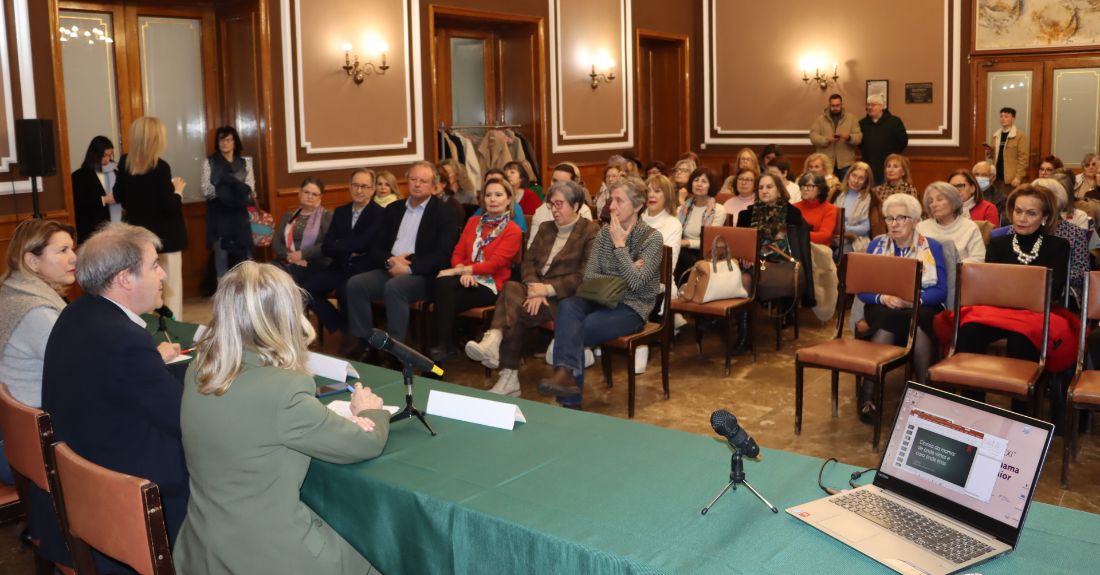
x=251 y=426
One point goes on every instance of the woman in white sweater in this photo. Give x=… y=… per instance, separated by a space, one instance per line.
x=949 y=222
x=698 y=211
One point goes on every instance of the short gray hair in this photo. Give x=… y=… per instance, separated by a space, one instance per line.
x=949 y=193
x=424 y=164
x=114 y=248
x=1061 y=198
x=909 y=203
x=635 y=189
x=876 y=99
x=570 y=191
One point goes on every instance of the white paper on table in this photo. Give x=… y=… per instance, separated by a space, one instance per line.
x=330 y=367
x=343 y=407
x=179 y=358
x=198 y=333
x=473 y=410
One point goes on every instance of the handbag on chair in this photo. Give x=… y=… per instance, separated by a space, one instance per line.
x=779 y=278
x=715 y=279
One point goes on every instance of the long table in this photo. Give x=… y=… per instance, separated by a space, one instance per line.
x=571 y=492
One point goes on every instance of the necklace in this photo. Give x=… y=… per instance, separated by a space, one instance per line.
x=1026 y=258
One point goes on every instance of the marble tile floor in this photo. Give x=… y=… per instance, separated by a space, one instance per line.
x=761 y=394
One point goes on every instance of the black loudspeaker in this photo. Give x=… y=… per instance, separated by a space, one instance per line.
x=35 y=149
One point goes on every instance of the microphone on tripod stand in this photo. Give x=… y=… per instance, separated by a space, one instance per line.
x=725 y=424
x=410 y=359
x=164 y=313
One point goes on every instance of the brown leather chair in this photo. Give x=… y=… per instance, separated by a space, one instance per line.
x=659 y=333
x=722 y=197
x=116 y=514
x=985 y=284
x=28 y=434
x=1084 y=390
x=863 y=273
x=744 y=247
x=11 y=506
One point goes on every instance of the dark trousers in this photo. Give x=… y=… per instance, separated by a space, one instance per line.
x=319 y=286
x=397 y=292
x=512 y=319
x=686 y=261
x=451 y=299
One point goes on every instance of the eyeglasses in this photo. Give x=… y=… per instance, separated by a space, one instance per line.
x=961 y=186
x=896 y=219
x=808 y=187
x=746 y=180
x=362 y=186
x=557 y=204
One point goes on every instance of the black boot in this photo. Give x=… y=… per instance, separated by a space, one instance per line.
x=744 y=337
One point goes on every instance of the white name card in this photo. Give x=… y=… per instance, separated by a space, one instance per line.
x=330 y=367
x=343 y=407
x=473 y=410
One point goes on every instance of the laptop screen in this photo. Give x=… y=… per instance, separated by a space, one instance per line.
x=983 y=458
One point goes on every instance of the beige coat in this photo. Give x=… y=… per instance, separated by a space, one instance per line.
x=247 y=453
x=1016 y=153
x=842 y=153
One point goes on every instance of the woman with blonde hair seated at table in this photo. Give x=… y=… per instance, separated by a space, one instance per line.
x=301 y=232
x=947 y=222
x=251 y=425
x=481 y=263
x=858 y=202
x=886 y=318
x=551 y=270
x=896 y=171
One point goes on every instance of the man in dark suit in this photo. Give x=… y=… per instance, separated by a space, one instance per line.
x=105 y=382
x=353 y=230
x=415 y=241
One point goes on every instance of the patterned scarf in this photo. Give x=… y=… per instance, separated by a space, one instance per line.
x=708 y=212
x=495 y=225
x=309 y=235
x=917 y=249
x=771 y=222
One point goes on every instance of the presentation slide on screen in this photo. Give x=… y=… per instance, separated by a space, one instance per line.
x=956 y=458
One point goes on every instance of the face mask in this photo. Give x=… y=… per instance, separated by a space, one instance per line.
x=983 y=182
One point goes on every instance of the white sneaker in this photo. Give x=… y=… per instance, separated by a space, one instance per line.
x=589 y=357
x=507 y=383
x=678 y=322
x=486 y=351
x=641 y=359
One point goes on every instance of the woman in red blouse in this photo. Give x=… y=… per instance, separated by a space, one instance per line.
x=481 y=263
x=821 y=215
x=526 y=198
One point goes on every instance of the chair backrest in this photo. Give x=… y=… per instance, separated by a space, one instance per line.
x=837 y=241
x=1004 y=285
x=868 y=273
x=1090 y=307
x=664 y=299
x=722 y=197
x=118 y=515
x=27 y=433
x=741 y=241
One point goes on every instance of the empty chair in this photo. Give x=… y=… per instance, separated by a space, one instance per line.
x=1084 y=390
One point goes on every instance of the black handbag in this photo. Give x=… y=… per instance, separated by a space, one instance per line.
x=606 y=291
x=779 y=278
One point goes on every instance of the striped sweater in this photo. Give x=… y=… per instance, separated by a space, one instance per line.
x=642 y=285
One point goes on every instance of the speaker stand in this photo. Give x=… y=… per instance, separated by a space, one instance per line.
x=34 y=198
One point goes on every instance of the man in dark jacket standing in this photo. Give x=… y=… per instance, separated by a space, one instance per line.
x=883 y=134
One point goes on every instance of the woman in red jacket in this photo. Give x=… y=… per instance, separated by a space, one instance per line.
x=481 y=263
x=821 y=215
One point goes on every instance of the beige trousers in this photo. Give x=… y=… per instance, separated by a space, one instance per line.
x=172 y=263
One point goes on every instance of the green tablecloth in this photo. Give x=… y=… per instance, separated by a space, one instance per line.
x=572 y=492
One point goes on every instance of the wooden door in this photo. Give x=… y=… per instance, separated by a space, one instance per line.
x=1018 y=85
x=664 y=124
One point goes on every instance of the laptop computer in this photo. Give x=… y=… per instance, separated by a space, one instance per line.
x=952 y=490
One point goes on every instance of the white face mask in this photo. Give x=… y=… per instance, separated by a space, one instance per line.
x=983 y=182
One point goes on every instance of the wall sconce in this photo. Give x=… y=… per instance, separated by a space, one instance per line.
x=359 y=72
x=821 y=79
x=605 y=63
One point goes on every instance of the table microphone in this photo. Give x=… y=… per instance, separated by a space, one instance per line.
x=725 y=424
x=381 y=340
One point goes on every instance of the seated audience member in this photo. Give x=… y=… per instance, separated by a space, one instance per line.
x=897 y=181
x=681 y=173
x=821 y=215
x=819 y=164
x=551 y=270
x=769 y=155
x=563 y=172
x=300 y=234
x=947 y=223
x=970 y=191
x=1088 y=180
x=350 y=234
x=858 y=203
x=747 y=160
x=104 y=380
x=1031 y=242
x=985 y=173
x=1048 y=164
x=1077 y=236
x=450 y=200
x=887 y=317
x=526 y=198
x=251 y=425
x=656 y=169
x=480 y=264
x=783 y=166
x=457 y=183
x=770 y=215
x=612 y=173
x=386 y=191
x=744 y=194
x=41 y=265
x=625 y=248
x=414 y=241
x=660 y=214
x=698 y=211
x=1086 y=211
x=517 y=210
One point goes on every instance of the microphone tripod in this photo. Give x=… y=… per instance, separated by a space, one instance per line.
x=737 y=477
x=410 y=410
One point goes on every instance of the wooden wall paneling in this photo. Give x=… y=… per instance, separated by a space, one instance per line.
x=1044 y=146
x=663 y=111
x=241 y=103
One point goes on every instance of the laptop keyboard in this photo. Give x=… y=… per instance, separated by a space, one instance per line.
x=932 y=535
